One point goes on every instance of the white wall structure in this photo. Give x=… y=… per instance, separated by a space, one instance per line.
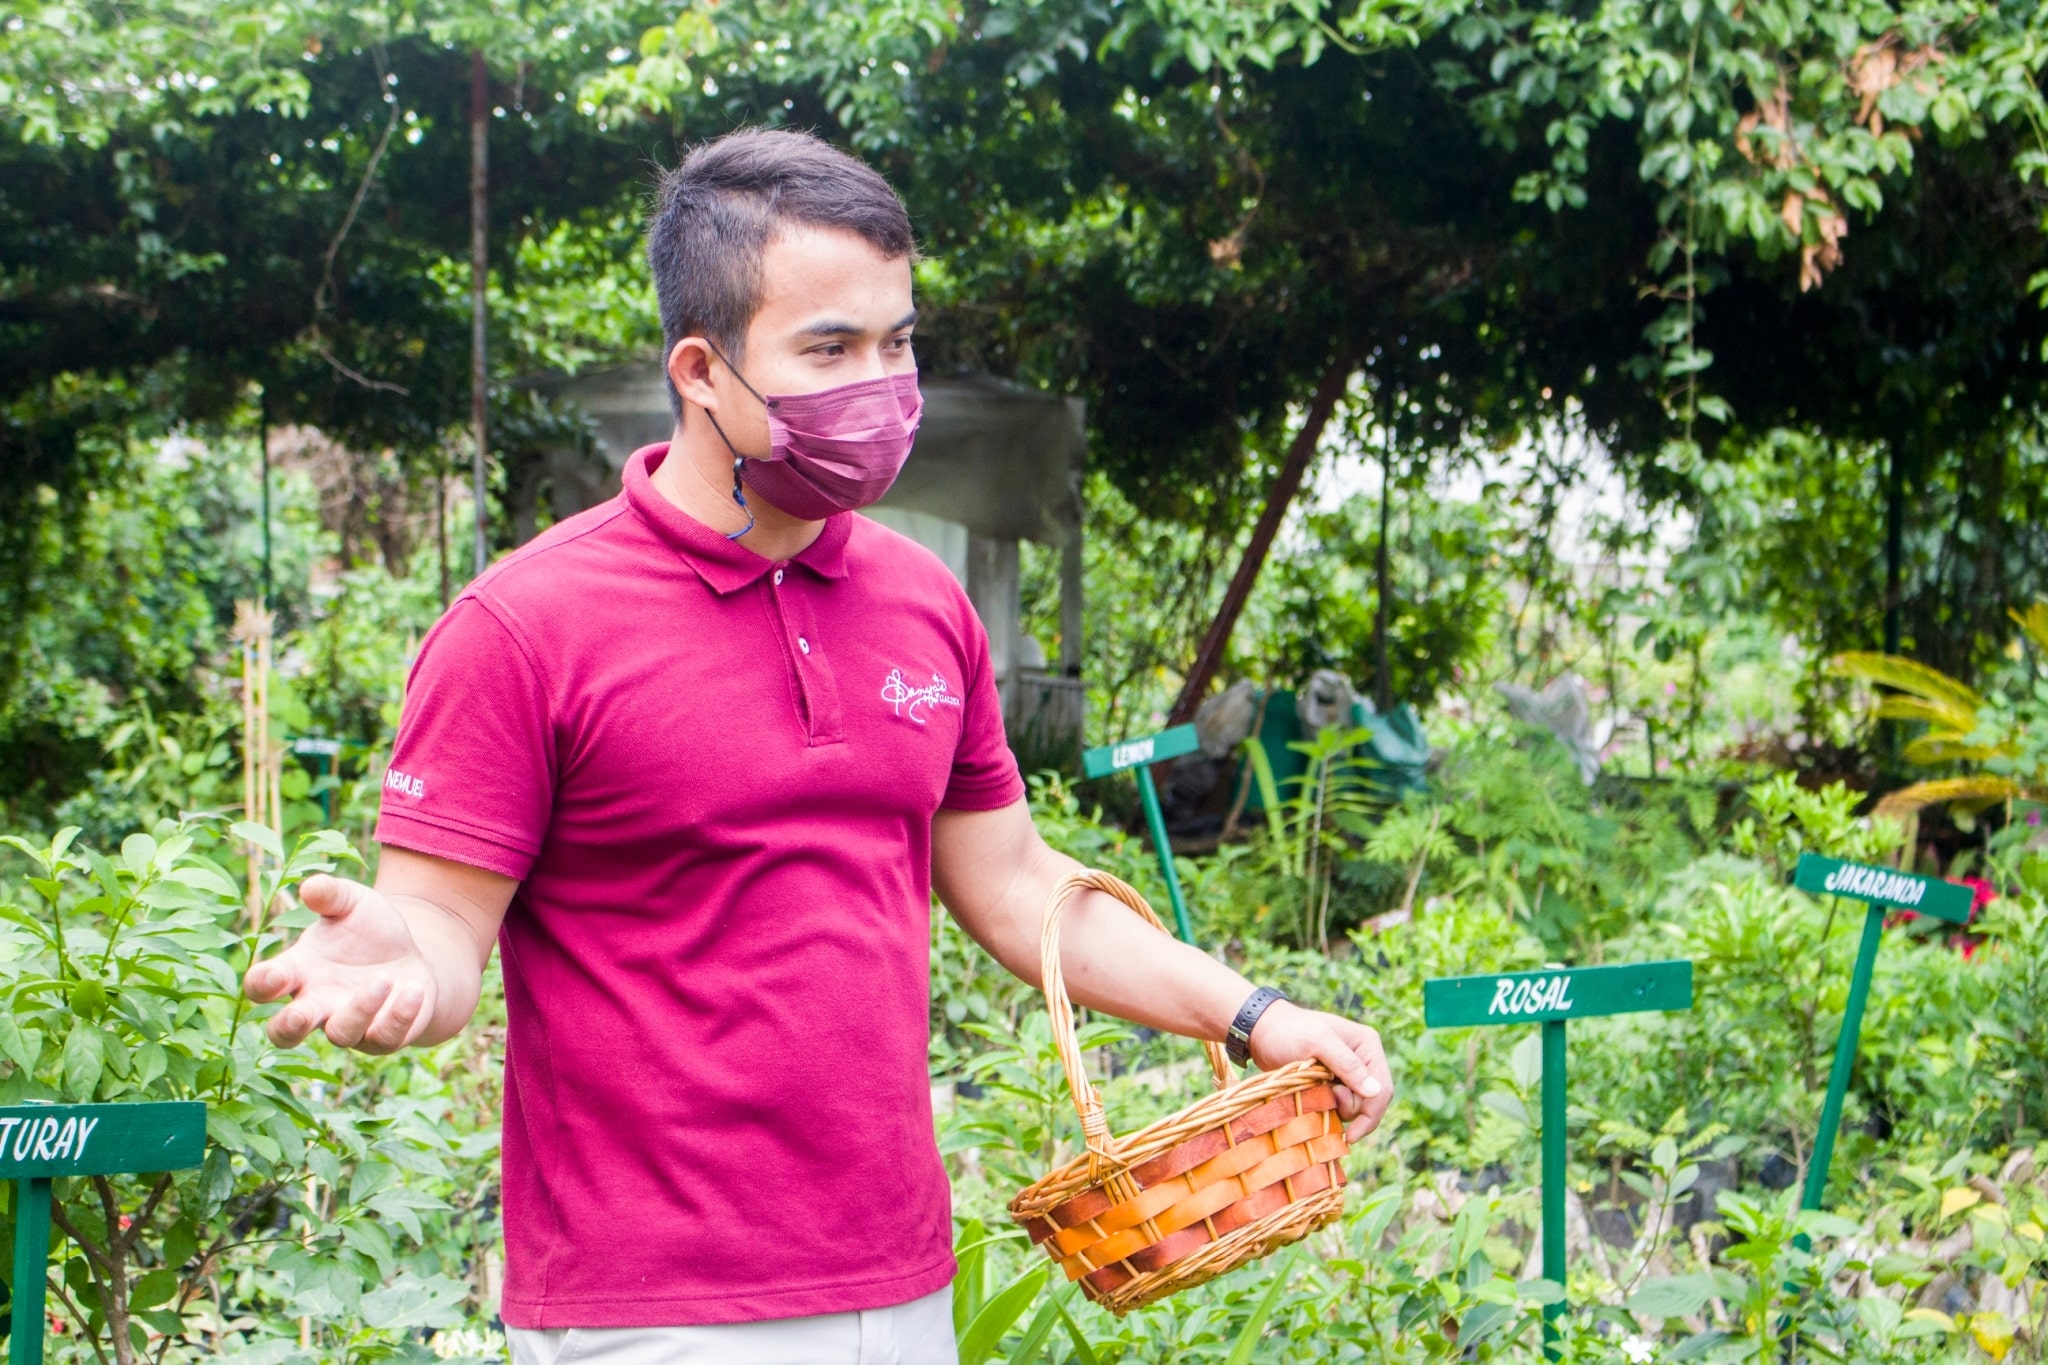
x=995 y=464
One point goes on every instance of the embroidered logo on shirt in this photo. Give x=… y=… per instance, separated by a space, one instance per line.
x=405 y=784
x=916 y=703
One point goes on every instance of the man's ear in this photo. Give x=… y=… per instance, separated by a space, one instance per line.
x=689 y=369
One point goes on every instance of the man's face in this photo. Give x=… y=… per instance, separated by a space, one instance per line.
x=834 y=311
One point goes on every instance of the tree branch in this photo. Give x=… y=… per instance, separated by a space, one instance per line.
x=1285 y=485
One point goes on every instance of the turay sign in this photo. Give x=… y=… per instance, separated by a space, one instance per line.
x=39 y=1142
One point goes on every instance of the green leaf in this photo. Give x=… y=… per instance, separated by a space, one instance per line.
x=137 y=850
x=967 y=1257
x=83 y=1060
x=1822 y=1224
x=1950 y=110
x=1508 y=1106
x=263 y=836
x=415 y=1302
x=1255 y=1326
x=163 y=1321
x=14 y=1046
x=1035 y=1335
x=205 y=877
x=158 y=1286
x=1483 y=1322
x=1083 y=1351
x=88 y=1000
x=181 y=1243
x=978 y=1342
x=1676 y=1296
x=280 y=1351
x=105 y=873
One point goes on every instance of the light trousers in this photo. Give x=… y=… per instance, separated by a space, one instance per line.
x=916 y=1333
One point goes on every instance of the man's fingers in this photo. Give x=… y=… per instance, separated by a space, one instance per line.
x=272 y=978
x=1372 y=1094
x=1346 y=1060
x=346 y=1025
x=393 y=1026
x=311 y=1004
x=332 y=897
x=290 y=1025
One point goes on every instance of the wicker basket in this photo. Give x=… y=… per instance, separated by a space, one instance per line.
x=1236 y=1175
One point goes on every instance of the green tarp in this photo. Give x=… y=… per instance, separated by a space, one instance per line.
x=1394 y=758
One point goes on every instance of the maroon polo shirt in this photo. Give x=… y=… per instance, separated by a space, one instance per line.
x=715 y=776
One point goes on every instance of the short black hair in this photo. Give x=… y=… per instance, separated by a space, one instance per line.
x=717 y=212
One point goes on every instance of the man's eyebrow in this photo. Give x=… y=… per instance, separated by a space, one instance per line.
x=833 y=327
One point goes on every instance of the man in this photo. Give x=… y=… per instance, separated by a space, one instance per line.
x=695 y=760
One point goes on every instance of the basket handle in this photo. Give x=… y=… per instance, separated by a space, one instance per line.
x=1087 y=1102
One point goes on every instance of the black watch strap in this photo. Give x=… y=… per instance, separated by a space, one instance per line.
x=1237 y=1044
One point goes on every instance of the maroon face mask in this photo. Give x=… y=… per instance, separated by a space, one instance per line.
x=834 y=450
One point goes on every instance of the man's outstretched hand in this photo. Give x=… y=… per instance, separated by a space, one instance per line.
x=1365 y=1087
x=356 y=973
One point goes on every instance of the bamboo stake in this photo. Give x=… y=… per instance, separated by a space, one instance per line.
x=262 y=765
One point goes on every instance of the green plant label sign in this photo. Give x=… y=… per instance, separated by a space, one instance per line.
x=100 y=1139
x=1557 y=993
x=1114 y=758
x=1883 y=886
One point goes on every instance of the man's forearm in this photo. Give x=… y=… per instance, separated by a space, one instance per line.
x=1117 y=963
x=996 y=875
x=449 y=948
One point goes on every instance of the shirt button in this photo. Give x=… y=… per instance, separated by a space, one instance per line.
x=803 y=644
x=778 y=578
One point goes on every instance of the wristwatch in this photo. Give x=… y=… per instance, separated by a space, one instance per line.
x=1237 y=1044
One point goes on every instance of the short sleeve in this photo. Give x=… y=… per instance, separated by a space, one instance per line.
x=984 y=775
x=472 y=772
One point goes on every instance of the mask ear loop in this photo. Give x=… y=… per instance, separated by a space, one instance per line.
x=739 y=494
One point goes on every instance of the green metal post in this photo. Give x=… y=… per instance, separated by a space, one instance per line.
x=31 y=1269
x=1553 y=1175
x=1155 y=820
x=1845 y=1060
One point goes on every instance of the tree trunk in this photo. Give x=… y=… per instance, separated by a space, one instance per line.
x=1285 y=485
x=479 y=205
x=1382 y=676
x=1894 y=738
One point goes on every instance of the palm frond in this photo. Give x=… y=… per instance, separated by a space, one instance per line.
x=1943 y=715
x=1906 y=800
x=1889 y=670
x=2034 y=621
x=1950 y=748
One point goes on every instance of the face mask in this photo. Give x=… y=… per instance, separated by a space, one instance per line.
x=835 y=450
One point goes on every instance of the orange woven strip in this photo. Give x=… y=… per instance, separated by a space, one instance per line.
x=1250 y=1167
x=1126 y=1215
x=1275 y=1169
x=1094 y=1252
x=1204 y=1146
x=1186 y=1242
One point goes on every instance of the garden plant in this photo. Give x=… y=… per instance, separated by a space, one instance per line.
x=1684 y=355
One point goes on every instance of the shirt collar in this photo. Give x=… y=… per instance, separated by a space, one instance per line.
x=725 y=564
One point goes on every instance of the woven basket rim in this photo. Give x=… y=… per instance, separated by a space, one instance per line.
x=1211 y=1110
